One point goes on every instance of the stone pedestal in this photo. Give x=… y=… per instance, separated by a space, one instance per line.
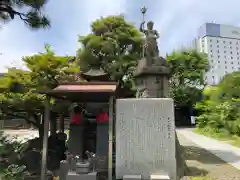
x=102 y=147
x=132 y=177
x=74 y=176
x=64 y=168
x=151 y=78
x=145 y=137
x=75 y=142
x=159 y=177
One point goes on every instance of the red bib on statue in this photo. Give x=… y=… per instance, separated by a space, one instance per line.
x=102 y=117
x=76 y=118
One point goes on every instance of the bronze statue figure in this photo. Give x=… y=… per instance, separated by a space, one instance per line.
x=150 y=44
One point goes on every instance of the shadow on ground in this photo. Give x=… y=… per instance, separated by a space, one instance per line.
x=231 y=156
x=201 y=155
x=194 y=171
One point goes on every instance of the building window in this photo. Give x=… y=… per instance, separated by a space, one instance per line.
x=210 y=45
x=210 y=50
x=230 y=52
x=230 y=42
x=230 y=47
x=217 y=46
x=218 y=61
x=237 y=53
x=223 y=41
x=224 y=46
x=217 y=41
x=224 y=51
x=231 y=62
x=225 y=62
x=232 y=67
x=218 y=56
x=231 y=57
x=225 y=57
x=225 y=67
x=210 y=40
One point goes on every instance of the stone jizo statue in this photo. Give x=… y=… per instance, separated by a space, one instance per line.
x=92 y=160
x=150 y=44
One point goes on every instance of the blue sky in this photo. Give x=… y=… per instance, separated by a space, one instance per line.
x=176 y=20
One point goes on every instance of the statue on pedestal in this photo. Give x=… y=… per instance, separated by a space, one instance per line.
x=152 y=72
x=150 y=46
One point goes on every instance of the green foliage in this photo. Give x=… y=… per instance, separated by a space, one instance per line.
x=18 y=88
x=11 y=152
x=47 y=69
x=114 y=45
x=221 y=106
x=14 y=172
x=12 y=145
x=187 y=80
x=230 y=86
x=31 y=14
x=220 y=134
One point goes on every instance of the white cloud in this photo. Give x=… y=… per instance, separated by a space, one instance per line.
x=68 y=21
x=177 y=21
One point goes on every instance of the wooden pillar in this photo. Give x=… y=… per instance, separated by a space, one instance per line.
x=45 y=138
x=61 y=122
x=110 y=139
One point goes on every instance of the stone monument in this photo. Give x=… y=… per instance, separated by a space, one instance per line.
x=146 y=143
x=152 y=72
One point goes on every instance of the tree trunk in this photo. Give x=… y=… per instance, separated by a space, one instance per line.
x=41 y=132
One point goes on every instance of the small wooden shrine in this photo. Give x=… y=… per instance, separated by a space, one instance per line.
x=97 y=92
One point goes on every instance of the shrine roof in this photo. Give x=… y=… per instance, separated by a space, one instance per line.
x=83 y=91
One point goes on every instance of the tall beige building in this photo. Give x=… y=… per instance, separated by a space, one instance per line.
x=222 y=44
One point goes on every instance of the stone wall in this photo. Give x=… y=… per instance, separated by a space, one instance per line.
x=14 y=124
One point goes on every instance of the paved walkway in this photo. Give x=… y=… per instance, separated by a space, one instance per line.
x=224 y=151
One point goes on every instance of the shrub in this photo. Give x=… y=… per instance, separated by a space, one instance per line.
x=14 y=172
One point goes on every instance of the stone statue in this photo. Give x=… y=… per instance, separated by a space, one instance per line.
x=71 y=162
x=92 y=160
x=151 y=36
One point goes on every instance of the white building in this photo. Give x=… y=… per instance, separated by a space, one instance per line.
x=222 y=44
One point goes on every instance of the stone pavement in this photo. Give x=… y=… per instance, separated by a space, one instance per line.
x=224 y=151
x=202 y=163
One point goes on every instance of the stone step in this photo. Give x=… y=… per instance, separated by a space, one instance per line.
x=132 y=177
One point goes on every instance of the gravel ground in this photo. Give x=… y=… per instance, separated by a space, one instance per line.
x=203 y=163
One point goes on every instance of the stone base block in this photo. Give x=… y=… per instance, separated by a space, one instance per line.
x=159 y=177
x=64 y=168
x=132 y=177
x=145 y=137
x=74 y=176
